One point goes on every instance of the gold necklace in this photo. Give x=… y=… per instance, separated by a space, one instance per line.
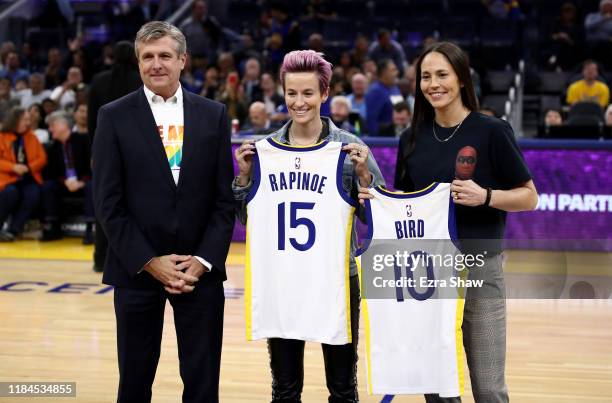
x=433 y=129
x=294 y=143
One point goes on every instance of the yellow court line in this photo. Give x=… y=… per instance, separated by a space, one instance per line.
x=72 y=249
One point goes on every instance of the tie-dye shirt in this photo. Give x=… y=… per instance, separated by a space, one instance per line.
x=169 y=119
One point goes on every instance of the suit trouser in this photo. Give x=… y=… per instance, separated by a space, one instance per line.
x=198 y=319
x=287 y=363
x=484 y=336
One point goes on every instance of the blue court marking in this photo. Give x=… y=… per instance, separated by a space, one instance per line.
x=387 y=398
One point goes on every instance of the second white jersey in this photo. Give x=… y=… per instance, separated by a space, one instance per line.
x=413 y=345
x=299 y=224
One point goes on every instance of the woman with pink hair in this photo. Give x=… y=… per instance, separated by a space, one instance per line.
x=305 y=77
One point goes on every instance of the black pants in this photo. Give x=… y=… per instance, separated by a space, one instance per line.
x=19 y=200
x=52 y=193
x=198 y=319
x=287 y=363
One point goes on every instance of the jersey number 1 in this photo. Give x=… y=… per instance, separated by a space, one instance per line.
x=295 y=222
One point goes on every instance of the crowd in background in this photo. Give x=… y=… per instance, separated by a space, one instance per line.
x=44 y=93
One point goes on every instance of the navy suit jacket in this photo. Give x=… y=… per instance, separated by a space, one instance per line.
x=143 y=212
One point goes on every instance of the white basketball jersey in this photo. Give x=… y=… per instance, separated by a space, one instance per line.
x=413 y=346
x=297 y=247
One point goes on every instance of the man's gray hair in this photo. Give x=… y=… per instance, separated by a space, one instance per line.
x=59 y=115
x=158 y=29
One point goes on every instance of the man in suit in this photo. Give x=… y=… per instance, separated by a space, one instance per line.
x=162 y=190
x=107 y=86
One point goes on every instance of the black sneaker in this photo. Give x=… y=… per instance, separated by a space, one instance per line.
x=6 y=236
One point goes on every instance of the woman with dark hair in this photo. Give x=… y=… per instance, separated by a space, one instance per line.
x=445 y=123
x=37 y=122
x=22 y=160
x=305 y=78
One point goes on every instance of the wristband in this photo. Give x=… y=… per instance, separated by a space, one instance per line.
x=488 y=198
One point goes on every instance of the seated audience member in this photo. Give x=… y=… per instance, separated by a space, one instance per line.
x=401 y=120
x=250 y=80
x=65 y=94
x=80 y=120
x=68 y=172
x=386 y=48
x=36 y=93
x=553 y=118
x=552 y=124
x=37 y=123
x=233 y=97
x=7 y=101
x=381 y=96
x=359 y=86
x=589 y=89
x=12 y=69
x=598 y=24
x=49 y=106
x=608 y=115
x=259 y=122
x=22 y=159
x=340 y=109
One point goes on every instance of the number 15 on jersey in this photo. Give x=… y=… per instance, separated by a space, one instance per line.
x=297 y=210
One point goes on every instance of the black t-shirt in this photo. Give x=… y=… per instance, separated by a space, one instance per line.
x=499 y=165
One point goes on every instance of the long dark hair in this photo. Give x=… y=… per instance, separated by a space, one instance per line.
x=423 y=111
x=11 y=120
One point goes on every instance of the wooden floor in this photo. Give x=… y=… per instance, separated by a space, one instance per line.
x=58 y=325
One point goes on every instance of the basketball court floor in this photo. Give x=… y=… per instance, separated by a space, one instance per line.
x=57 y=324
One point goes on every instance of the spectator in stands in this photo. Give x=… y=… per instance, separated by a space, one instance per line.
x=259 y=122
x=5 y=48
x=233 y=97
x=12 y=69
x=20 y=85
x=598 y=25
x=36 y=93
x=49 y=106
x=37 y=123
x=141 y=12
x=251 y=80
x=22 y=159
x=589 y=89
x=359 y=53
x=54 y=72
x=598 y=28
x=401 y=120
x=192 y=78
x=316 y=42
x=566 y=38
x=210 y=88
x=339 y=113
x=80 y=120
x=68 y=172
x=370 y=70
x=387 y=48
x=381 y=96
x=202 y=31
x=226 y=65
x=65 y=94
x=608 y=115
x=553 y=118
x=271 y=97
x=6 y=97
x=359 y=86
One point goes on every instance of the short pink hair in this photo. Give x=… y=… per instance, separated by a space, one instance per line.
x=301 y=61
